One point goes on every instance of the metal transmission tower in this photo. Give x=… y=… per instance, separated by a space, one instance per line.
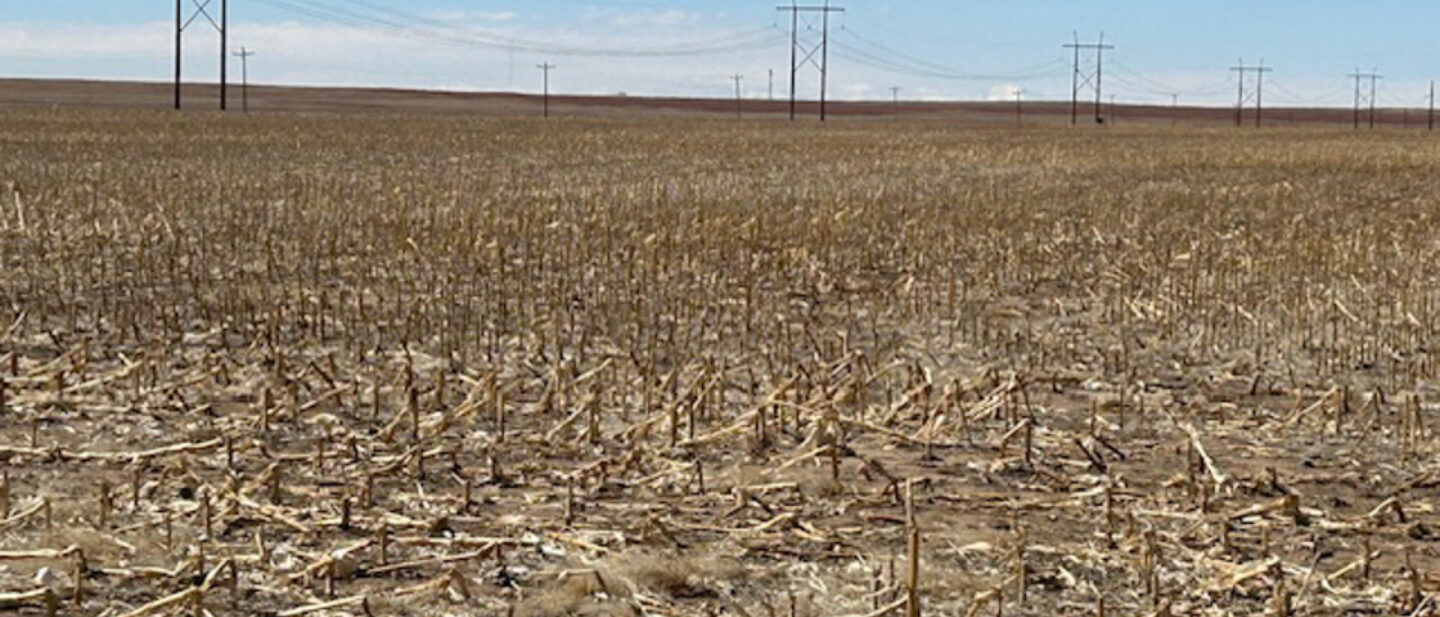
x=1259 y=70
x=737 y=78
x=823 y=48
x=181 y=23
x=1374 y=79
x=244 y=56
x=545 y=67
x=1088 y=79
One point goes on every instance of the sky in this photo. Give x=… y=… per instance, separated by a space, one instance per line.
x=1164 y=50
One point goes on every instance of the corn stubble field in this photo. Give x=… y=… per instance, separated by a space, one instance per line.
x=289 y=364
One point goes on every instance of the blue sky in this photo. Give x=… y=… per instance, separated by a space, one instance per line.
x=931 y=49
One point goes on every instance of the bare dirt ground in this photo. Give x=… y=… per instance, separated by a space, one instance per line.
x=321 y=363
x=267 y=99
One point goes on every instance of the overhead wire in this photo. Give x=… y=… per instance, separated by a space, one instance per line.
x=426 y=29
x=1155 y=86
x=885 y=58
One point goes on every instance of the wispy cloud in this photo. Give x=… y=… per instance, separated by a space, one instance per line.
x=313 y=53
x=661 y=18
x=458 y=15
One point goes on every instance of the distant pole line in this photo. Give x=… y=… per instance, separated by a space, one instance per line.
x=1090 y=79
x=1241 y=70
x=738 y=109
x=1374 y=78
x=223 y=28
x=244 y=55
x=545 y=67
x=824 y=49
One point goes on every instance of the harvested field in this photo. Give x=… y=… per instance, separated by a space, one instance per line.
x=322 y=364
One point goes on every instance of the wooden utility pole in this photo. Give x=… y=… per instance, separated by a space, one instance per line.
x=1019 y=111
x=1374 y=79
x=1259 y=70
x=244 y=55
x=545 y=67
x=224 y=56
x=222 y=27
x=824 y=48
x=1431 y=116
x=179 y=30
x=1078 y=82
x=895 y=101
x=737 y=78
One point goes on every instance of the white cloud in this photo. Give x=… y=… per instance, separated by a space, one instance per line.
x=1003 y=92
x=457 y=15
x=20 y=40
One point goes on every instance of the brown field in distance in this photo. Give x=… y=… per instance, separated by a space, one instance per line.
x=430 y=364
x=139 y=95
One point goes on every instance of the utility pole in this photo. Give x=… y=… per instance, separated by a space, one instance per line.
x=545 y=67
x=1079 y=81
x=1174 y=109
x=771 y=93
x=823 y=49
x=737 y=77
x=244 y=55
x=1374 y=79
x=895 y=101
x=222 y=27
x=179 y=29
x=1431 y=121
x=1019 y=111
x=224 y=57
x=1259 y=70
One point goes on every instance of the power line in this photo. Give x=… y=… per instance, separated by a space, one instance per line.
x=1165 y=89
x=1051 y=68
x=420 y=28
x=899 y=62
